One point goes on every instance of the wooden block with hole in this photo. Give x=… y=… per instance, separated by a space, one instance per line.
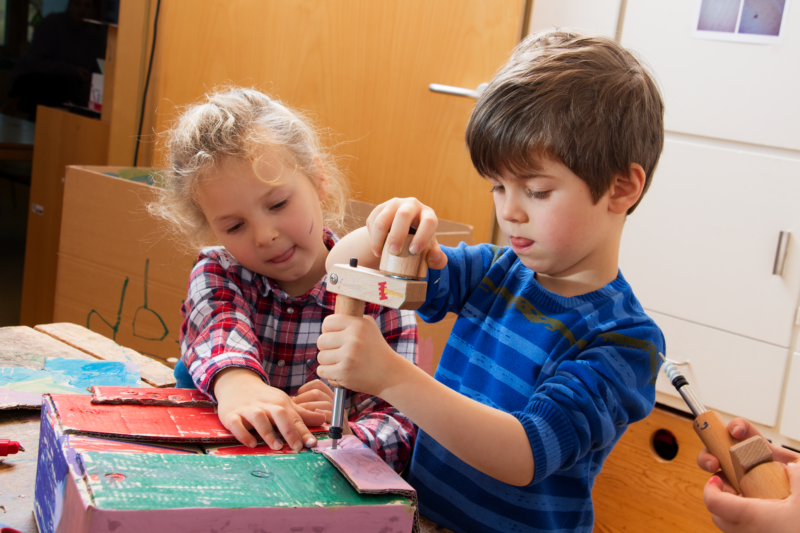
x=639 y=490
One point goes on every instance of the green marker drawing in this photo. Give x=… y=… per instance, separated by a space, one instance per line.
x=115 y=327
x=148 y=310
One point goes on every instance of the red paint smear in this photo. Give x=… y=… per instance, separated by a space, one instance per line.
x=261 y=449
x=156 y=423
x=148 y=396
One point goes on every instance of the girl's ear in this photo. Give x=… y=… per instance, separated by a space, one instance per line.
x=626 y=190
x=322 y=181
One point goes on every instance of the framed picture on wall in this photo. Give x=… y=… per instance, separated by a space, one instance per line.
x=748 y=21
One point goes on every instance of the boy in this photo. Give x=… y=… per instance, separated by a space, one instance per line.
x=552 y=356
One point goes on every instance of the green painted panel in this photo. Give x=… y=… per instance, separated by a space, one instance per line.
x=152 y=481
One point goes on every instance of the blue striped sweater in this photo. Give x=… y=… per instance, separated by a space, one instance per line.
x=574 y=371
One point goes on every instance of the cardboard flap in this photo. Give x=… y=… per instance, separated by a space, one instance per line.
x=153 y=423
x=138 y=396
x=367 y=472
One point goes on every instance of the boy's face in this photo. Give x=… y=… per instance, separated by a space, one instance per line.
x=271 y=222
x=555 y=228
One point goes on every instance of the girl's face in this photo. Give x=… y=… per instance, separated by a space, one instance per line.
x=269 y=218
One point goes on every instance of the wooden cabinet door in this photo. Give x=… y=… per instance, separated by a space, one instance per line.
x=362 y=68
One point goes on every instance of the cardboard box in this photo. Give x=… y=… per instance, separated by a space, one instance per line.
x=120 y=274
x=86 y=483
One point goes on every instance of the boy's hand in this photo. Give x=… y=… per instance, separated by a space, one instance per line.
x=741 y=429
x=736 y=514
x=390 y=222
x=246 y=402
x=354 y=354
x=317 y=396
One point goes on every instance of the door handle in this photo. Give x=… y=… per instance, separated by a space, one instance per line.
x=458 y=91
x=780 y=253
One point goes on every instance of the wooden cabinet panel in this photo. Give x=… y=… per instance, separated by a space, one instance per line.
x=722 y=366
x=702 y=245
x=736 y=91
x=363 y=69
x=62 y=139
x=638 y=491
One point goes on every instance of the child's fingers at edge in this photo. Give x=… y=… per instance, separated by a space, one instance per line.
x=261 y=423
x=707 y=462
x=235 y=425
x=425 y=236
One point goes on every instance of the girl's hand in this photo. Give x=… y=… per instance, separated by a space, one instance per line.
x=246 y=402
x=741 y=429
x=354 y=354
x=736 y=514
x=317 y=396
x=390 y=222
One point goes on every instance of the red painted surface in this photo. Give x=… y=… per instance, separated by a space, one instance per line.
x=93 y=444
x=147 y=422
x=155 y=423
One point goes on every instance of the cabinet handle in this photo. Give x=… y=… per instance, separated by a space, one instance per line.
x=780 y=253
x=458 y=91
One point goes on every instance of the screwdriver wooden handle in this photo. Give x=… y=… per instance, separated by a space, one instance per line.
x=713 y=431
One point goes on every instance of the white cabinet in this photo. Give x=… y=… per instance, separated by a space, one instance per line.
x=702 y=246
x=729 y=373
x=725 y=90
x=590 y=16
x=700 y=252
x=790 y=419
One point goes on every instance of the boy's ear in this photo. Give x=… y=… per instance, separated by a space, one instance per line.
x=322 y=181
x=626 y=189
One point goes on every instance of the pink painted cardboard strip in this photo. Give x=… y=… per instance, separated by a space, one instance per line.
x=355 y=519
x=130 y=395
x=367 y=472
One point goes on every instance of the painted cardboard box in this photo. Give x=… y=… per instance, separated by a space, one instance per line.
x=174 y=472
x=121 y=275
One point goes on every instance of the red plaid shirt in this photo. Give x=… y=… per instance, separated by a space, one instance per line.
x=235 y=317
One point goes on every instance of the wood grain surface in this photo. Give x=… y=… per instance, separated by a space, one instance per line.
x=21 y=346
x=637 y=491
x=18 y=472
x=360 y=68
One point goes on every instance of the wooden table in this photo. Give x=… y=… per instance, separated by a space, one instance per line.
x=18 y=472
x=25 y=347
x=16 y=139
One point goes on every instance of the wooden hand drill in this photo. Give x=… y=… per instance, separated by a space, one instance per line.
x=396 y=285
x=748 y=464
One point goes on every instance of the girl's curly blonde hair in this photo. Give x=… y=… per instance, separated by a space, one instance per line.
x=238 y=123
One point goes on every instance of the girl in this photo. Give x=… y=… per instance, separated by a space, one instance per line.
x=250 y=173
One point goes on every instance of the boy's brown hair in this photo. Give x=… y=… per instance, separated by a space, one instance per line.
x=583 y=100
